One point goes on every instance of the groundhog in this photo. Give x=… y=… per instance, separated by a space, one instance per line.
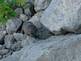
x=29 y=29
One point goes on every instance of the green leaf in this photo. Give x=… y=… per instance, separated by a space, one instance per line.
x=1 y=1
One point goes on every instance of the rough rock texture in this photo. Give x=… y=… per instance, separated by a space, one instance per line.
x=63 y=14
x=19 y=11
x=28 y=8
x=9 y=41
x=2 y=35
x=61 y=48
x=19 y=36
x=13 y=42
x=4 y=51
x=23 y=17
x=28 y=41
x=41 y=4
x=13 y=25
x=36 y=19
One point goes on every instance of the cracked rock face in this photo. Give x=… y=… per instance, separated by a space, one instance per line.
x=62 y=14
x=13 y=25
x=41 y=4
x=63 y=48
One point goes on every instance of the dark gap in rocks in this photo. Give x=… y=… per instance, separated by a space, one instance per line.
x=43 y=33
x=20 y=28
x=2 y=42
x=32 y=10
x=65 y=32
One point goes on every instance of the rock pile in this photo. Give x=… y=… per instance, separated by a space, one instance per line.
x=24 y=28
x=47 y=30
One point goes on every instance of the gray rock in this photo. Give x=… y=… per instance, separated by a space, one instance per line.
x=2 y=35
x=13 y=25
x=19 y=36
x=2 y=27
x=27 y=10
x=28 y=41
x=14 y=57
x=23 y=17
x=55 y=48
x=36 y=19
x=9 y=41
x=6 y=55
x=41 y=4
x=19 y=11
x=12 y=43
x=62 y=14
x=61 y=48
x=17 y=46
x=4 y=51
x=1 y=47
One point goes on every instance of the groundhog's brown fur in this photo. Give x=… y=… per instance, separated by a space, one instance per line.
x=29 y=28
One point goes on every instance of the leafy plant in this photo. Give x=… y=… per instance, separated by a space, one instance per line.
x=17 y=2
x=7 y=9
x=20 y=2
x=6 y=12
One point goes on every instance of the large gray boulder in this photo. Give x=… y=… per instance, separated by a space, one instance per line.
x=61 y=48
x=36 y=19
x=13 y=25
x=62 y=14
x=41 y=4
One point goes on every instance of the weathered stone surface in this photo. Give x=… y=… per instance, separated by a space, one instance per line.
x=61 y=48
x=14 y=57
x=2 y=35
x=28 y=41
x=27 y=10
x=13 y=43
x=2 y=27
x=62 y=14
x=41 y=4
x=16 y=46
x=19 y=36
x=23 y=17
x=13 y=25
x=19 y=11
x=36 y=19
x=4 y=51
x=9 y=41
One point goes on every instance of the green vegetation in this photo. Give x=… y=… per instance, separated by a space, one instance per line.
x=6 y=12
x=17 y=2
x=7 y=9
x=20 y=2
